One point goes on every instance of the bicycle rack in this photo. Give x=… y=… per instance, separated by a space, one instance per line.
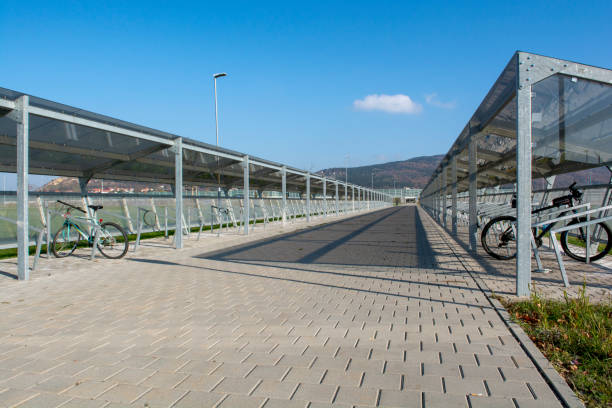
x=585 y=224
x=40 y=231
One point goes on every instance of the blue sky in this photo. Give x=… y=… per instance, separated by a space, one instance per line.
x=295 y=68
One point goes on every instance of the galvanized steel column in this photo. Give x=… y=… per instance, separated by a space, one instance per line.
x=246 y=194
x=307 y=197
x=337 y=201
x=345 y=198
x=324 y=197
x=445 y=192
x=284 y=190
x=473 y=228
x=20 y=114
x=454 y=195
x=178 y=192
x=353 y=196
x=523 y=184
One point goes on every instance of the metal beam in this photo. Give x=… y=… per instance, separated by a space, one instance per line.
x=454 y=195
x=23 y=135
x=523 y=177
x=284 y=191
x=246 y=198
x=178 y=192
x=307 y=197
x=63 y=117
x=473 y=203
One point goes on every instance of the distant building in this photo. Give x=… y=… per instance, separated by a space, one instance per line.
x=405 y=194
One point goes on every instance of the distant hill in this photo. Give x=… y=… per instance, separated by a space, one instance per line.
x=413 y=172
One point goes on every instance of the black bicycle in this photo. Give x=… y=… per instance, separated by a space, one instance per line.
x=498 y=236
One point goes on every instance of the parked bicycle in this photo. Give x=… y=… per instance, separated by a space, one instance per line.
x=112 y=239
x=498 y=237
x=149 y=218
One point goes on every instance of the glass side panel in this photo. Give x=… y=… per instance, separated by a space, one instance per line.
x=572 y=122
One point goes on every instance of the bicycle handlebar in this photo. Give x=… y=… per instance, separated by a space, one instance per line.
x=70 y=205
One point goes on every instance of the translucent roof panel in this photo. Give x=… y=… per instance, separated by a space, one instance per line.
x=571 y=122
x=83 y=138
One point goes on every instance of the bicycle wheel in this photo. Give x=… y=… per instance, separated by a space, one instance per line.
x=574 y=241
x=112 y=240
x=65 y=241
x=498 y=238
x=149 y=218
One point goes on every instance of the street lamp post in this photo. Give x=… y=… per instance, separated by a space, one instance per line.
x=215 y=76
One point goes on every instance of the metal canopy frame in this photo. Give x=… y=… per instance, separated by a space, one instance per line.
x=518 y=133
x=38 y=136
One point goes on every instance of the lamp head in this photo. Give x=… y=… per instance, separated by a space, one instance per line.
x=219 y=75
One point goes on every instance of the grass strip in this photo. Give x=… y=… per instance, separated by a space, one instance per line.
x=576 y=337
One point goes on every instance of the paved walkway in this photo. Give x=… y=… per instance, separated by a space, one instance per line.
x=375 y=310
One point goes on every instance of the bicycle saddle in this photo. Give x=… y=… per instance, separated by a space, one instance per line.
x=96 y=207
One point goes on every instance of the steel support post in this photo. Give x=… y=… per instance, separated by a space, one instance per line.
x=353 y=196
x=444 y=192
x=284 y=190
x=454 y=195
x=20 y=114
x=337 y=201
x=523 y=185
x=178 y=192
x=473 y=199
x=307 y=197
x=246 y=194
x=324 y=197
x=436 y=201
x=345 y=198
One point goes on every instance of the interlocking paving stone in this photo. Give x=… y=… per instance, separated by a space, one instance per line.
x=267 y=372
x=160 y=397
x=346 y=378
x=282 y=403
x=56 y=383
x=124 y=393
x=400 y=399
x=237 y=385
x=241 y=401
x=315 y=392
x=382 y=381
x=45 y=400
x=10 y=397
x=89 y=389
x=356 y=396
x=198 y=399
x=305 y=375
x=372 y=309
x=85 y=403
x=434 y=399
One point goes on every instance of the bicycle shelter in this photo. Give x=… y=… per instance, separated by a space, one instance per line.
x=39 y=136
x=542 y=117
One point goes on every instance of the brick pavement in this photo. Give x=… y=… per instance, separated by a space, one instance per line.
x=375 y=310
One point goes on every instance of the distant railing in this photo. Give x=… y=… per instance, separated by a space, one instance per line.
x=127 y=210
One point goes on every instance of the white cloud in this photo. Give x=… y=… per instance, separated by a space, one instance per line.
x=433 y=100
x=388 y=103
